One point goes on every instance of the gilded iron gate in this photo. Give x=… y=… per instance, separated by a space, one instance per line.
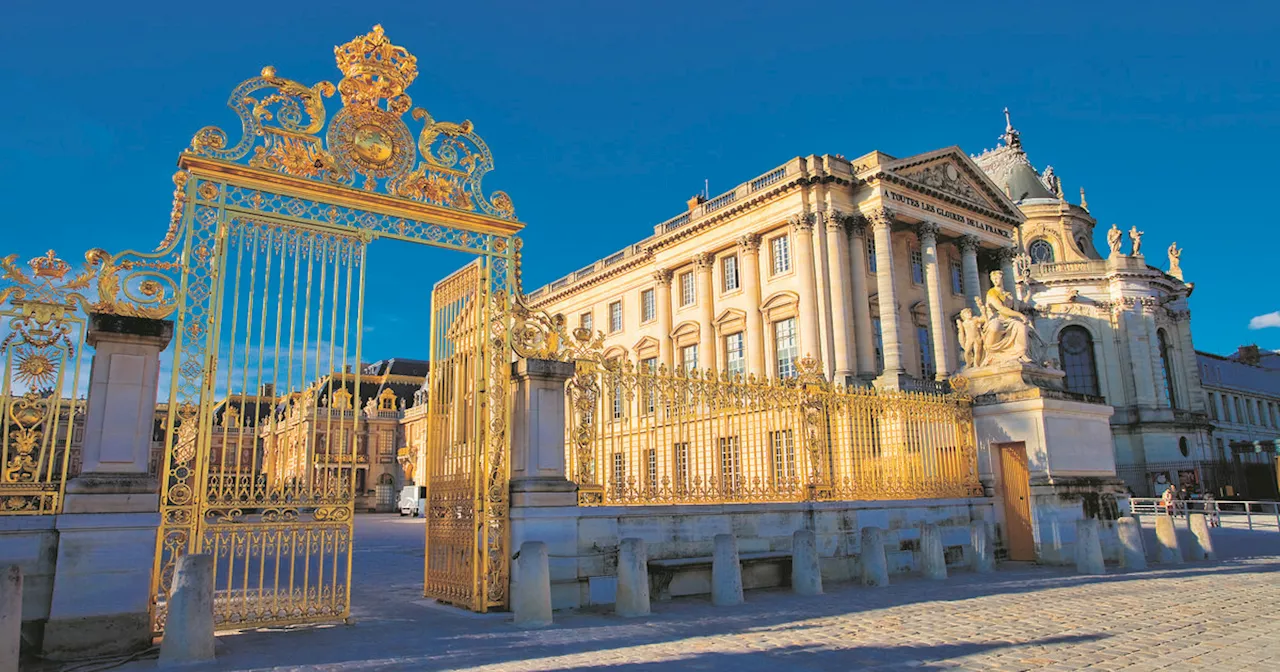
x=263 y=271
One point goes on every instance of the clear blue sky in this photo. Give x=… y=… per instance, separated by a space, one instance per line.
x=604 y=117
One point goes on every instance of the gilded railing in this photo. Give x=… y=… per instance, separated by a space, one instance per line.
x=637 y=437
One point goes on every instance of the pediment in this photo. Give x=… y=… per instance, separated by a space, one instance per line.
x=954 y=174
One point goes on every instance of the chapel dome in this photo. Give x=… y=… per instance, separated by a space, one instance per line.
x=1008 y=166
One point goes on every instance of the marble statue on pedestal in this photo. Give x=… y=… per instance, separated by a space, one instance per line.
x=1114 y=240
x=1175 y=260
x=1136 y=236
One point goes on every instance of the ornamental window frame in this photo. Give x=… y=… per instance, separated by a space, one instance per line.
x=688 y=290
x=780 y=254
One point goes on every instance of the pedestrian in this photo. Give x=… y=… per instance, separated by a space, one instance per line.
x=1211 y=509
x=1166 y=501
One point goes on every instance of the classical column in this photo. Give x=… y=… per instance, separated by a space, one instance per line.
x=705 y=263
x=864 y=339
x=837 y=254
x=969 y=270
x=928 y=232
x=890 y=327
x=810 y=339
x=1006 y=256
x=662 y=278
x=749 y=256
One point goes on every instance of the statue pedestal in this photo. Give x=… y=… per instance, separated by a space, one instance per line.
x=1069 y=461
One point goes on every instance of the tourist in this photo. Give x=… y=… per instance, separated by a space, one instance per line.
x=1166 y=500
x=1211 y=509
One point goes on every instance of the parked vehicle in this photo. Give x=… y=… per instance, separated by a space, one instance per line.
x=413 y=500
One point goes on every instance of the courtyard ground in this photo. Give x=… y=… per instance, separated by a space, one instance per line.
x=1215 y=615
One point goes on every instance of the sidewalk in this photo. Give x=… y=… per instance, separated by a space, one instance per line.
x=1208 y=615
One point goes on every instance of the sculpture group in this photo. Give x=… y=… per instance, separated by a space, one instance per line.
x=998 y=333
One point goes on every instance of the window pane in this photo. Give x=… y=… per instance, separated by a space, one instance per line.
x=871 y=254
x=686 y=289
x=689 y=357
x=781 y=249
x=927 y=365
x=735 y=363
x=1075 y=346
x=957 y=278
x=1041 y=252
x=584 y=321
x=730 y=273
x=917 y=267
x=648 y=307
x=615 y=316
x=1168 y=369
x=784 y=335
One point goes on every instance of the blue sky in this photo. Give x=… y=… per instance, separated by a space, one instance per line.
x=604 y=117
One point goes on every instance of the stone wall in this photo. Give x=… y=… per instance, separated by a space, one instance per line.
x=688 y=531
x=31 y=543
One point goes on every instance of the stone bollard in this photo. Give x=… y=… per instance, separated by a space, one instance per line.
x=726 y=572
x=984 y=557
x=531 y=597
x=875 y=568
x=633 y=579
x=1089 y=548
x=1134 y=554
x=932 y=561
x=10 y=618
x=806 y=572
x=188 y=626
x=1167 y=552
x=1202 y=549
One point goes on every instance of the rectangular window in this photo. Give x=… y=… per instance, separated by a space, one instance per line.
x=619 y=472
x=730 y=271
x=957 y=278
x=686 y=288
x=648 y=305
x=649 y=365
x=734 y=361
x=1239 y=411
x=386 y=444
x=927 y=368
x=730 y=465
x=619 y=401
x=782 y=445
x=689 y=357
x=1253 y=411
x=680 y=467
x=1213 y=405
x=780 y=251
x=917 y=267
x=784 y=344
x=879 y=343
x=615 y=317
x=584 y=321
x=651 y=470
x=871 y=254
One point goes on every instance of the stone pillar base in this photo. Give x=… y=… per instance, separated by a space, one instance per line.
x=545 y=509
x=101 y=590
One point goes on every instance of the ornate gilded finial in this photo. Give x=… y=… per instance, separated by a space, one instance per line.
x=374 y=69
x=1012 y=137
x=1084 y=202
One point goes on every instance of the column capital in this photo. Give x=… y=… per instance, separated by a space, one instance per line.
x=1006 y=255
x=749 y=244
x=857 y=225
x=801 y=222
x=835 y=220
x=704 y=261
x=927 y=230
x=663 y=276
x=880 y=217
x=969 y=243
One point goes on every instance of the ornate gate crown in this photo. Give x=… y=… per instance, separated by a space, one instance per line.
x=367 y=138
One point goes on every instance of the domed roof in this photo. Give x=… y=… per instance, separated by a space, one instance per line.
x=1008 y=166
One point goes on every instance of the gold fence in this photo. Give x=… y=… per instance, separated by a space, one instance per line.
x=637 y=436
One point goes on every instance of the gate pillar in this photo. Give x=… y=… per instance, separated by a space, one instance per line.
x=107 y=531
x=544 y=502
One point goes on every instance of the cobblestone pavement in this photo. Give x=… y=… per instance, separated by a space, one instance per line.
x=1219 y=615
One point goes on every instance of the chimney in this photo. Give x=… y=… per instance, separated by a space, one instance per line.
x=268 y=390
x=1249 y=354
x=697 y=200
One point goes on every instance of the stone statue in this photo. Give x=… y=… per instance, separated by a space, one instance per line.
x=1006 y=333
x=1114 y=239
x=969 y=328
x=1051 y=181
x=1136 y=236
x=1175 y=260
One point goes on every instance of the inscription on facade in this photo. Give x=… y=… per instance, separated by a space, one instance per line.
x=954 y=216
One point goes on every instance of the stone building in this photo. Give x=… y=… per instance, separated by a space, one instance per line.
x=1244 y=404
x=312 y=432
x=867 y=265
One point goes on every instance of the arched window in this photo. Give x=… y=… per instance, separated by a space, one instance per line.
x=1075 y=346
x=1165 y=356
x=1041 y=252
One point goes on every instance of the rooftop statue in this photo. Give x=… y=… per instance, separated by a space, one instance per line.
x=1175 y=260
x=1114 y=239
x=1136 y=236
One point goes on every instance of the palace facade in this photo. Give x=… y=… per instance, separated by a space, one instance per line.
x=1244 y=404
x=866 y=264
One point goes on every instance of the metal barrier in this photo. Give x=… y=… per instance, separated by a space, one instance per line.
x=1251 y=514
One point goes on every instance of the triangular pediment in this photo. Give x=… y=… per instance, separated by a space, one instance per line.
x=949 y=171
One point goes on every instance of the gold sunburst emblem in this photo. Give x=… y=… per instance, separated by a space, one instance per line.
x=35 y=368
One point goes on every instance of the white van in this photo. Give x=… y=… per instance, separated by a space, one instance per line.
x=413 y=500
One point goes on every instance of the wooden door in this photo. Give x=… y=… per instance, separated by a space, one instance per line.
x=1016 y=490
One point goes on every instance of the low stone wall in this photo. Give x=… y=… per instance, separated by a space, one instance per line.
x=688 y=531
x=31 y=542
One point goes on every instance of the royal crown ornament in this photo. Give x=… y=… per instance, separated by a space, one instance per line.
x=374 y=69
